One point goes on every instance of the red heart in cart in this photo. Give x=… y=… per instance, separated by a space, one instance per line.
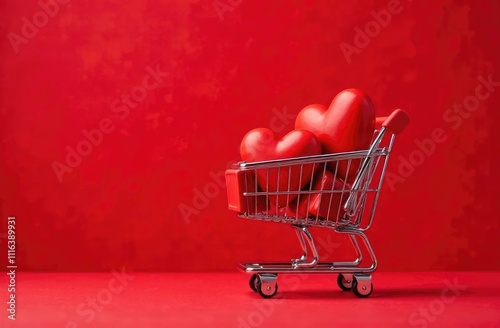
x=261 y=145
x=329 y=202
x=346 y=125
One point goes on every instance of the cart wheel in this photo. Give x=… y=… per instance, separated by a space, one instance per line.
x=345 y=281
x=253 y=282
x=267 y=286
x=362 y=288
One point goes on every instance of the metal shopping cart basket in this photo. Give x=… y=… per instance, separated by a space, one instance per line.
x=342 y=195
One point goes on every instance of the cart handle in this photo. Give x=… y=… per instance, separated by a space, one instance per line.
x=396 y=122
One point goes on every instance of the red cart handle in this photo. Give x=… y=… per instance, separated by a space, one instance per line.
x=396 y=122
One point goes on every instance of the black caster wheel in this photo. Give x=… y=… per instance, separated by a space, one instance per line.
x=253 y=282
x=345 y=281
x=362 y=288
x=267 y=286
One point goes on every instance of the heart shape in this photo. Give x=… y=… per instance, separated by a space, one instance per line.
x=327 y=205
x=261 y=145
x=346 y=125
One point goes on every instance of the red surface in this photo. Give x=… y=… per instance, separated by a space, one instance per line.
x=148 y=196
x=225 y=300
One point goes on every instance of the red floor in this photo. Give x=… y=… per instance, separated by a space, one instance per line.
x=225 y=300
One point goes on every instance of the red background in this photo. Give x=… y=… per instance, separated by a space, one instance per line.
x=120 y=206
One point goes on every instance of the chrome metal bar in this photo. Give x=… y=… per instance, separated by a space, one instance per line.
x=287 y=268
x=350 y=205
x=356 y=248
x=318 y=267
x=381 y=181
x=358 y=233
x=315 y=257
x=289 y=182
x=359 y=154
x=303 y=244
x=303 y=192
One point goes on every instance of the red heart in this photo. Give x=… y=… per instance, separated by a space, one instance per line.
x=327 y=205
x=346 y=125
x=261 y=145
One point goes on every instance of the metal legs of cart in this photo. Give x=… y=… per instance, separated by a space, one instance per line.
x=352 y=275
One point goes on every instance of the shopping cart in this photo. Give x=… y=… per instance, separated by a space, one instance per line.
x=342 y=195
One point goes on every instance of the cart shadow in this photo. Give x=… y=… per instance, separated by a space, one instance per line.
x=431 y=292
x=377 y=294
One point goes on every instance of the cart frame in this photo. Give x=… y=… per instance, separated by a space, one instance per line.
x=353 y=218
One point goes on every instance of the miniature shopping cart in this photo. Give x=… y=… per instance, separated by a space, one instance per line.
x=342 y=195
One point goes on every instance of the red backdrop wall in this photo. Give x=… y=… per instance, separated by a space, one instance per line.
x=199 y=75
